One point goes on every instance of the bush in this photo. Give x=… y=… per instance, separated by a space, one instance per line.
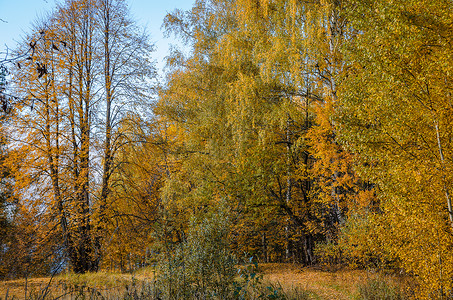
x=328 y=253
x=359 y=244
x=202 y=266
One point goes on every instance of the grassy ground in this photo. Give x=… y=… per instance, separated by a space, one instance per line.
x=109 y=284
x=320 y=284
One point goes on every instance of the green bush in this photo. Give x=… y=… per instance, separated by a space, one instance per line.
x=202 y=266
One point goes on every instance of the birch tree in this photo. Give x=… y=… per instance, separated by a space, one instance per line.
x=396 y=116
x=248 y=99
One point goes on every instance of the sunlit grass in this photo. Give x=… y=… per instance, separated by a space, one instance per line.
x=99 y=279
x=321 y=284
x=291 y=282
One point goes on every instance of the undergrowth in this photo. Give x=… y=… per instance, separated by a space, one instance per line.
x=379 y=289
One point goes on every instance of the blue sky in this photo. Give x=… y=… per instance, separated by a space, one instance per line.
x=16 y=17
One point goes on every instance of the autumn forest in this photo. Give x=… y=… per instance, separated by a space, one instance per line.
x=315 y=133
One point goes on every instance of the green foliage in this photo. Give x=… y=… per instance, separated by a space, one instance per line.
x=202 y=263
x=203 y=266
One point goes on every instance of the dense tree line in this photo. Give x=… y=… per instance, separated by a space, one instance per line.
x=323 y=128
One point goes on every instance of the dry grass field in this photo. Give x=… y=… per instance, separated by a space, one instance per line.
x=108 y=284
x=320 y=284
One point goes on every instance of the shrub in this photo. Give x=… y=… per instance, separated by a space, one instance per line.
x=202 y=266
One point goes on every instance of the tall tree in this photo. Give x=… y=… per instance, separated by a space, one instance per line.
x=396 y=116
x=125 y=52
x=6 y=187
x=249 y=99
x=87 y=65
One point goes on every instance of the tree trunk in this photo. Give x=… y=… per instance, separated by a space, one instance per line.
x=442 y=160
x=264 y=243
